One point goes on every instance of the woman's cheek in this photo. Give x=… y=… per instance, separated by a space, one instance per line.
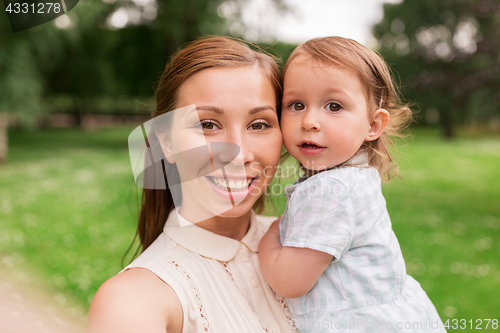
x=273 y=151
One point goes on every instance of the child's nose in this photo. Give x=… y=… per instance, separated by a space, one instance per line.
x=310 y=122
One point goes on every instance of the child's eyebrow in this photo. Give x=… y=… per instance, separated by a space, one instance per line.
x=339 y=90
x=336 y=89
x=291 y=92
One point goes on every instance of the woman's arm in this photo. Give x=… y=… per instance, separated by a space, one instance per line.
x=135 y=301
x=290 y=271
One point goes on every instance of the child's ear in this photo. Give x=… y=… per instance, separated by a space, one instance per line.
x=380 y=119
x=166 y=146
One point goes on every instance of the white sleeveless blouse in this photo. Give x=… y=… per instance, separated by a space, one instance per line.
x=217 y=279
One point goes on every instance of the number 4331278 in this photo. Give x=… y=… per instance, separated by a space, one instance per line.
x=478 y=324
x=32 y=8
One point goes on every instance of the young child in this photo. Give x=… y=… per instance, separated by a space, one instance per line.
x=334 y=256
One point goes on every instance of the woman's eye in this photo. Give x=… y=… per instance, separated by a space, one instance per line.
x=259 y=126
x=297 y=106
x=208 y=125
x=333 y=106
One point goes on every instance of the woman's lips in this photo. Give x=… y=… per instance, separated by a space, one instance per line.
x=310 y=148
x=234 y=189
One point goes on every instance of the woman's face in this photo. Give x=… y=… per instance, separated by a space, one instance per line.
x=233 y=112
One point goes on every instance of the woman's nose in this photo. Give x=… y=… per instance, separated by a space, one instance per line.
x=310 y=121
x=226 y=152
x=240 y=150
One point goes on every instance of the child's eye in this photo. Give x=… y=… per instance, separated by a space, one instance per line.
x=297 y=106
x=259 y=126
x=333 y=106
x=208 y=125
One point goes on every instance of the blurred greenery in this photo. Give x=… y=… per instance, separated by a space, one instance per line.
x=68 y=210
x=68 y=207
x=87 y=57
x=67 y=203
x=94 y=62
x=446 y=215
x=447 y=55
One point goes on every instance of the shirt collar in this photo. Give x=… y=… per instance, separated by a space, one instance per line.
x=207 y=243
x=358 y=160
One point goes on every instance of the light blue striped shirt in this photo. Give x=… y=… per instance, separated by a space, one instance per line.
x=343 y=212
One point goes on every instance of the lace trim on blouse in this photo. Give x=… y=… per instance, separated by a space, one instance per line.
x=284 y=307
x=227 y=269
x=225 y=264
x=205 y=318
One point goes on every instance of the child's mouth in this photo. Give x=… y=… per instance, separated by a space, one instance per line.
x=308 y=145
x=310 y=148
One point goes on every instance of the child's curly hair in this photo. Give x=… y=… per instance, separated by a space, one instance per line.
x=380 y=91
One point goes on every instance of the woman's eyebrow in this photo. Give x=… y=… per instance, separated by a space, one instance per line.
x=262 y=108
x=220 y=111
x=210 y=108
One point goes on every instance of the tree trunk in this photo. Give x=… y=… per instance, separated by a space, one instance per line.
x=447 y=123
x=4 y=140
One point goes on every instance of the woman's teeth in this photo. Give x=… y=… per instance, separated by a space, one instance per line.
x=234 y=185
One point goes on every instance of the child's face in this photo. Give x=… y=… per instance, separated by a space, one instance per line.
x=325 y=117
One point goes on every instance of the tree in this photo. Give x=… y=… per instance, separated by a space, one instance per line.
x=27 y=59
x=104 y=50
x=21 y=83
x=447 y=54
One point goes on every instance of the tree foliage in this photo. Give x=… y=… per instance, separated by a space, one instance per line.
x=447 y=54
x=77 y=65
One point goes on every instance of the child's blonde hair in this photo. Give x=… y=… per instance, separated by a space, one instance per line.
x=379 y=89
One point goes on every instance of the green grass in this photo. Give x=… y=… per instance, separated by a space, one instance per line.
x=68 y=213
x=67 y=207
x=446 y=214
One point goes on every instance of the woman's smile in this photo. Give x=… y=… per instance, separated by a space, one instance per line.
x=231 y=184
x=232 y=189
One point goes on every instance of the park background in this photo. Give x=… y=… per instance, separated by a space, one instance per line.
x=72 y=90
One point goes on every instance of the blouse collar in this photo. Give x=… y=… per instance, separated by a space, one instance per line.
x=207 y=243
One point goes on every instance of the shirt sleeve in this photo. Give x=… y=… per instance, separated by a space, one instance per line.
x=320 y=217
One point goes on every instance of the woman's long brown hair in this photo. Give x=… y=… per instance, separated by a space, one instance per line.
x=203 y=53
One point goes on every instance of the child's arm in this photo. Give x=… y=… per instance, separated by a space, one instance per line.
x=290 y=271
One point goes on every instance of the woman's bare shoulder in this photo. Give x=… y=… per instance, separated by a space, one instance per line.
x=135 y=300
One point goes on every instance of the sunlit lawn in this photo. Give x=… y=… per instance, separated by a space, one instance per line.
x=68 y=214
x=446 y=214
x=67 y=202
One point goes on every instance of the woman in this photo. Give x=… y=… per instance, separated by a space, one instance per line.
x=204 y=277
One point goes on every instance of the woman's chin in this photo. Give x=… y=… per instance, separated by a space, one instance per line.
x=237 y=211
